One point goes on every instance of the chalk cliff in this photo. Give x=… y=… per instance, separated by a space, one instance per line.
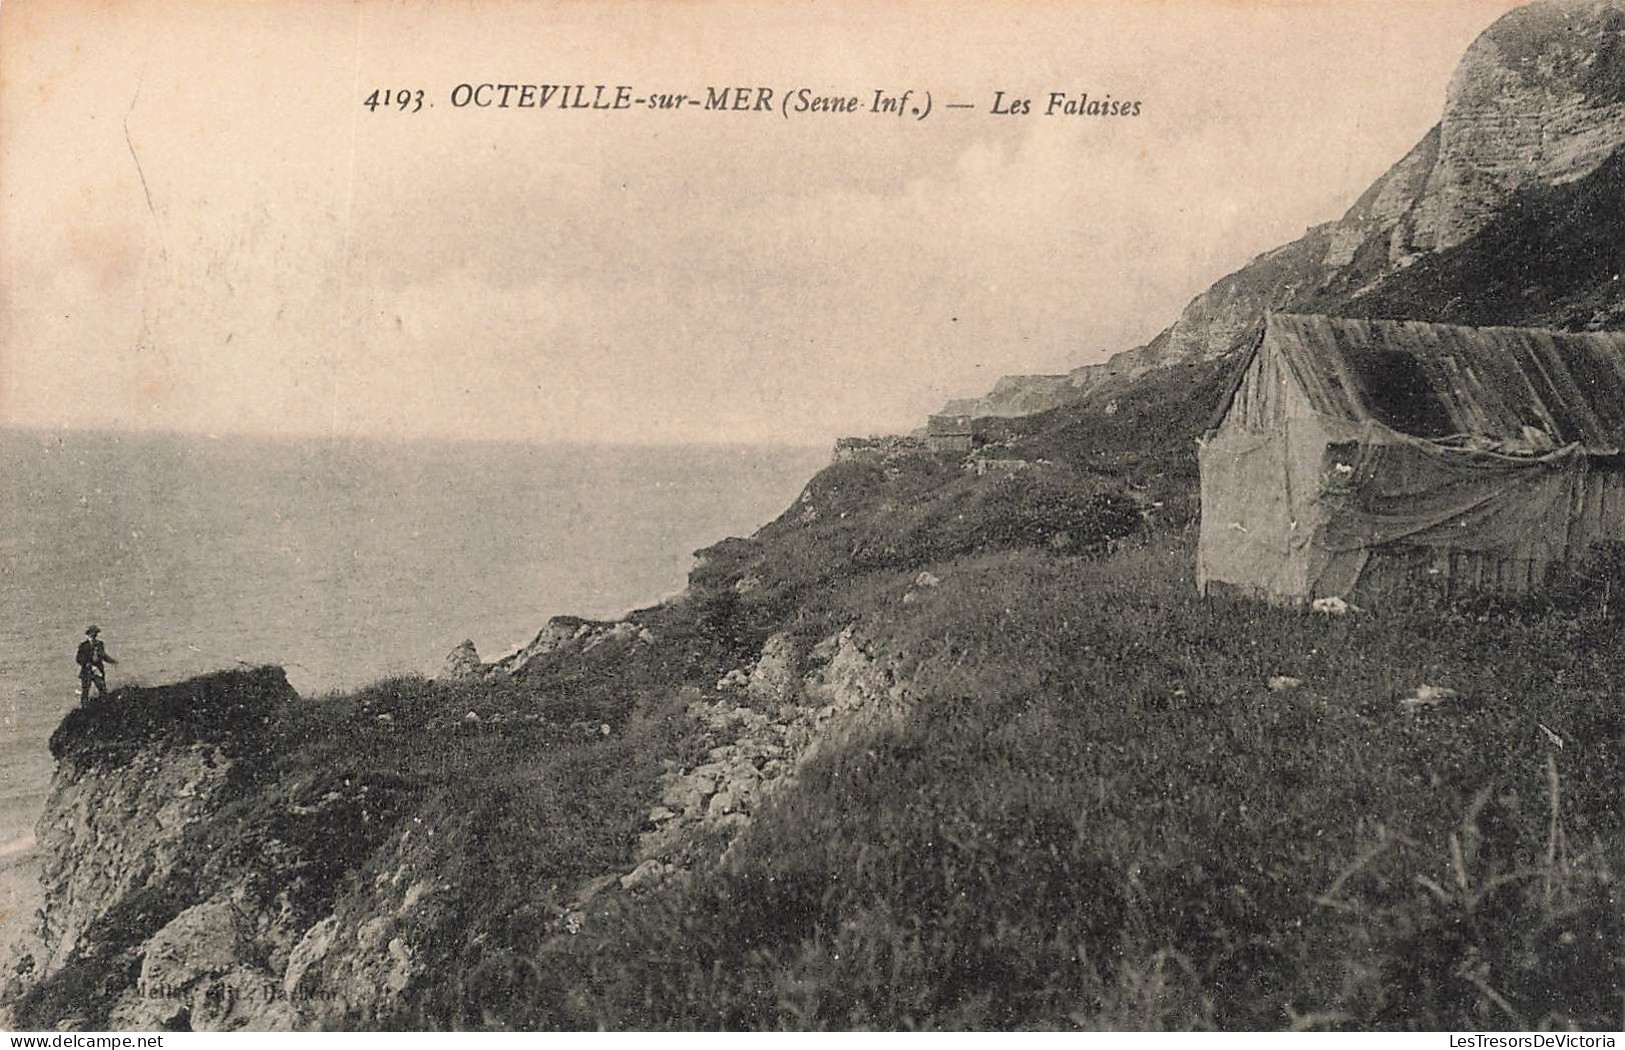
x=130 y=936
x=1536 y=106
x=157 y=917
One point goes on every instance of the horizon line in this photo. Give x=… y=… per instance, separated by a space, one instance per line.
x=443 y=439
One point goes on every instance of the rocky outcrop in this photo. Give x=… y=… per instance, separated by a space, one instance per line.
x=136 y=774
x=146 y=906
x=1537 y=101
x=1390 y=220
x=882 y=449
x=139 y=908
x=198 y=973
x=1021 y=395
x=127 y=910
x=784 y=710
x=353 y=966
x=110 y=830
x=462 y=663
x=570 y=635
x=562 y=636
x=1539 y=98
x=233 y=964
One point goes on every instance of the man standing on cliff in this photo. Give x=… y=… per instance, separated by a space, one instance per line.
x=92 y=656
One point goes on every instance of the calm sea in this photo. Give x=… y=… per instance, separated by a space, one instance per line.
x=340 y=561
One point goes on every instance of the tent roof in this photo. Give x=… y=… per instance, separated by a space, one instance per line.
x=1441 y=381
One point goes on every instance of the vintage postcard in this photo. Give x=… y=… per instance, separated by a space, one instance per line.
x=1080 y=514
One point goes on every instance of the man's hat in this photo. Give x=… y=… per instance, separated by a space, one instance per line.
x=93 y=629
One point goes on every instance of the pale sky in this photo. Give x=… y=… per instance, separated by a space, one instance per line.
x=203 y=229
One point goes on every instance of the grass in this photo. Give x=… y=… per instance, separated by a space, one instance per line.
x=857 y=523
x=228 y=708
x=1098 y=815
x=1101 y=816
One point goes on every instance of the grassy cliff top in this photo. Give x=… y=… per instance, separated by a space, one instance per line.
x=225 y=708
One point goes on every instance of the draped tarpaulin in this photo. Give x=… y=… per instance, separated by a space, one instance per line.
x=1307 y=491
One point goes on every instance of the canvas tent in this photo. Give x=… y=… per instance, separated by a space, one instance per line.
x=1353 y=458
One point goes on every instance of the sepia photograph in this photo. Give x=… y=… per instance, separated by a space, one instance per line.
x=820 y=516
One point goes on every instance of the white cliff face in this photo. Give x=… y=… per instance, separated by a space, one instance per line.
x=354 y=965
x=1539 y=98
x=1387 y=216
x=562 y=636
x=201 y=971
x=229 y=964
x=114 y=828
x=235 y=960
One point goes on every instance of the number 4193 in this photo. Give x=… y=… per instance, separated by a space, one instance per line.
x=407 y=100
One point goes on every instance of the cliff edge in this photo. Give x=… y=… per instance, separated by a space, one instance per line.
x=204 y=873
